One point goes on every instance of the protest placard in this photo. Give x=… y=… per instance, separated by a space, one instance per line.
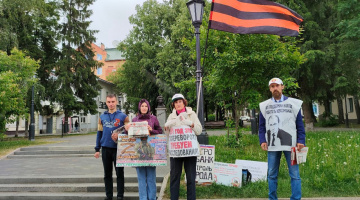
x=205 y=164
x=257 y=169
x=140 y=152
x=138 y=129
x=227 y=174
x=182 y=142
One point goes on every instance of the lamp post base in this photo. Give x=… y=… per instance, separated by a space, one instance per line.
x=203 y=138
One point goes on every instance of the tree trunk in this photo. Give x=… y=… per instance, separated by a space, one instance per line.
x=233 y=110
x=17 y=127
x=341 y=110
x=66 y=123
x=236 y=120
x=357 y=108
x=26 y=128
x=327 y=109
x=309 y=125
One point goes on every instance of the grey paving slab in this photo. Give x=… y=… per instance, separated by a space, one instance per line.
x=63 y=166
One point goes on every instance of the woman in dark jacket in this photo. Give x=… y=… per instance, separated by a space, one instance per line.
x=146 y=175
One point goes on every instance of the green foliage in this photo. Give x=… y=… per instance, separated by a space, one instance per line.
x=229 y=123
x=16 y=78
x=328 y=120
x=211 y=117
x=2 y=136
x=155 y=58
x=75 y=84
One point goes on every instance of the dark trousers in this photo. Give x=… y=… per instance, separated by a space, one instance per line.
x=175 y=174
x=109 y=160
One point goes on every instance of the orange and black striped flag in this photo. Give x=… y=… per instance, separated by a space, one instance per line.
x=254 y=16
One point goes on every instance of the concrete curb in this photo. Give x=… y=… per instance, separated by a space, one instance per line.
x=163 y=186
x=11 y=153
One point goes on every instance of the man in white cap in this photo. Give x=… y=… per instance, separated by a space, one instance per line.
x=280 y=117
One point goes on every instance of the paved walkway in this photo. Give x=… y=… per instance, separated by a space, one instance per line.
x=63 y=166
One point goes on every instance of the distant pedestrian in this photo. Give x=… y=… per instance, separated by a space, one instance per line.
x=146 y=175
x=280 y=118
x=187 y=117
x=105 y=140
x=76 y=126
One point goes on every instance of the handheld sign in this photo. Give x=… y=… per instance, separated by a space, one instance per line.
x=138 y=129
x=205 y=164
x=140 y=152
x=182 y=142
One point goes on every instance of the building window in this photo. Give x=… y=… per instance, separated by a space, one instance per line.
x=351 y=105
x=98 y=57
x=114 y=70
x=99 y=70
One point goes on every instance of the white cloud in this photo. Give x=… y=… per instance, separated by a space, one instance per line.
x=111 y=18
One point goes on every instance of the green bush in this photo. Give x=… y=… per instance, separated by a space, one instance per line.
x=211 y=118
x=2 y=136
x=329 y=120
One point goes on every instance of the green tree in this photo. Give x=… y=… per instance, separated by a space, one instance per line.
x=17 y=76
x=155 y=58
x=73 y=82
x=242 y=65
x=348 y=35
x=31 y=28
x=317 y=75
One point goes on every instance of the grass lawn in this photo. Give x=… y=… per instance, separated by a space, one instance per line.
x=332 y=167
x=11 y=143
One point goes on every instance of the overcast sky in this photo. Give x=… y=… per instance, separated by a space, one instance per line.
x=111 y=18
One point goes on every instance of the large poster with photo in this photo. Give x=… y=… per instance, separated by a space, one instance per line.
x=140 y=152
x=280 y=119
x=227 y=174
x=257 y=169
x=183 y=142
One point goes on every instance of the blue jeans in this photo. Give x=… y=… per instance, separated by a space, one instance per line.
x=273 y=171
x=147 y=182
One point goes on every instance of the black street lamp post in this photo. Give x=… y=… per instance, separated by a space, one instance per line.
x=196 y=8
x=32 y=120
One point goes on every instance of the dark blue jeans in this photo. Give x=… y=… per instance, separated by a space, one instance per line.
x=273 y=171
x=109 y=160
x=175 y=174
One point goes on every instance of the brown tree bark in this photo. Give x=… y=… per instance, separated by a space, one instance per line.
x=17 y=127
x=309 y=125
x=357 y=108
x=26 y=128
x=327 y=109
x=341 y=110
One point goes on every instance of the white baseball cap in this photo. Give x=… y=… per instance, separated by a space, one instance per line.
x=176 y=97
x=275 y=80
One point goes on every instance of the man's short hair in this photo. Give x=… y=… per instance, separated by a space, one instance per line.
x=111 y=96
x=273 y=116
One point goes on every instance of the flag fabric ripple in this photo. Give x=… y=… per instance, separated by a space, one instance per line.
x=254 y=16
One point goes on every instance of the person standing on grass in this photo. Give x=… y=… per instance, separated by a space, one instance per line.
x=185 y=116
x=146 y=175
x=280 y=128
x=105 y=140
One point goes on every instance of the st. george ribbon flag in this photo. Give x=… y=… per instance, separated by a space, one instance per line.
x=254 y=16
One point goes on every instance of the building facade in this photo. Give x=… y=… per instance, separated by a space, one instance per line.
x=350 y=107
x=111 y=58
